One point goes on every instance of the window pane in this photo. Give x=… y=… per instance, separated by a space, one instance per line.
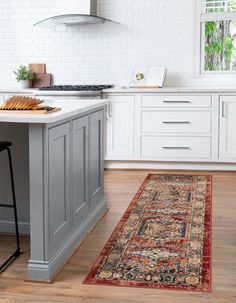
x=212 y=6
x=220 y=45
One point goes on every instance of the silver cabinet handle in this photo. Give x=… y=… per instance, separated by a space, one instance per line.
x=176 y=101
x=176 y=147
x=110 y=110
x=223 y=109
x=176 y=122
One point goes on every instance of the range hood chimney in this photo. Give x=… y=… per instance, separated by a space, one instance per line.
x=76 y=12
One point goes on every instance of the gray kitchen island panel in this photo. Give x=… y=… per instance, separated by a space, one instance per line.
x=96 y=158
x=80 y=178
x=57 y=153
x=63 y=190
x=59 y=184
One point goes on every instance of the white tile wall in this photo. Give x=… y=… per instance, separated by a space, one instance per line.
x=152 y=32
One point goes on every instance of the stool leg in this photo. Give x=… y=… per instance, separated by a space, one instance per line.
x=17 y=251
x=14 y=202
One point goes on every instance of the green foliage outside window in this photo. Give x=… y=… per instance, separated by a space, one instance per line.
x=220 y=38
x=213 y=6
x=219 y=46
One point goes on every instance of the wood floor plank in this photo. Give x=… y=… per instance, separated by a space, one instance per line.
x=120 y=187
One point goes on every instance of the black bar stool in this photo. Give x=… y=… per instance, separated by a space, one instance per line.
x=4 y=146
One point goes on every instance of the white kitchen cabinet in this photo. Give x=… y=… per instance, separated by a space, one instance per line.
x=120 y=127
x=228 y=127
x=185 y=130
x=175 y=127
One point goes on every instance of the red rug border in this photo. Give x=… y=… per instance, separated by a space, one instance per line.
x=207 y=238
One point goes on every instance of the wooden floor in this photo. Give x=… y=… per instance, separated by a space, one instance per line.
x=120 y=188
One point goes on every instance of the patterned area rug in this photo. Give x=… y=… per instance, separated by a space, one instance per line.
x=163 y=239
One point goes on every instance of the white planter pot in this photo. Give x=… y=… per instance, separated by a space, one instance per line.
x=24 y=84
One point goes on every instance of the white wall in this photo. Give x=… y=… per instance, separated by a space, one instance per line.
x=153 y=32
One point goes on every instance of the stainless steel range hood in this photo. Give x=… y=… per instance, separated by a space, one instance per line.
x=76 y=12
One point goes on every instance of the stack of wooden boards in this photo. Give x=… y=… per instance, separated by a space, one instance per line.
x=41 y=78
x=22 y=104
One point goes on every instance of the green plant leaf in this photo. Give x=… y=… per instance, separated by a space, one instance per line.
x=23 y=73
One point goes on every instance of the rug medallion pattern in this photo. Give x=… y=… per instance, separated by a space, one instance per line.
x=163 y=239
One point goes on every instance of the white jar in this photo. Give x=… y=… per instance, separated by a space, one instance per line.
x=24 y=84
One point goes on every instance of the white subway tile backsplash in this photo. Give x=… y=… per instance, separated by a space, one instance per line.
x=152 y=32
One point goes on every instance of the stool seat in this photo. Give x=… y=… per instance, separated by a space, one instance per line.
x=4 y=145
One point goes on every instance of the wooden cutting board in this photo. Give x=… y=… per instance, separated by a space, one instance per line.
x=33 y=111
x=39 y=68
x=41 y=80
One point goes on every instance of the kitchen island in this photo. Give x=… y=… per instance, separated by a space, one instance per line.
x=58 y=162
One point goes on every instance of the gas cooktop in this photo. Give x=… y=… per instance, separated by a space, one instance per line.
x=75 y=87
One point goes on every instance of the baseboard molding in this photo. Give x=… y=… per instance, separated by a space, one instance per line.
x=170 y=165
x=9 y=227
x=45 y=271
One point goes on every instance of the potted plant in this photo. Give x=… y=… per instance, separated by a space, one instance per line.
x=24 y=76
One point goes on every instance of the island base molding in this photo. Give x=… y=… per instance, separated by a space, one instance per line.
x=170 y=165
x=45 y=271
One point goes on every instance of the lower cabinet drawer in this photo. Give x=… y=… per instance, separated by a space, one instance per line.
x=176 y=121
x=176 y=147
x=178 y=101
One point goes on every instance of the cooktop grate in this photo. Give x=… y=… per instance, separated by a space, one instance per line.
x=75 y=87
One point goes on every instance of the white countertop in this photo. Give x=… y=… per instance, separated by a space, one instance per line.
x=16 y=90
x=69 y=108
x=172 y=90
x=118 y=89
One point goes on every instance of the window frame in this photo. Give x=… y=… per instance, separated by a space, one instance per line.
x=199 y=39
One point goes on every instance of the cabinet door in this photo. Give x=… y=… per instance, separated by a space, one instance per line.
x=96 y=162
x=227 y=127
x=59 y=184
x=80 y=170
x=120 y=127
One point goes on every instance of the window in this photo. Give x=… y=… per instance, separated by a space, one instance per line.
x=217 y=29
